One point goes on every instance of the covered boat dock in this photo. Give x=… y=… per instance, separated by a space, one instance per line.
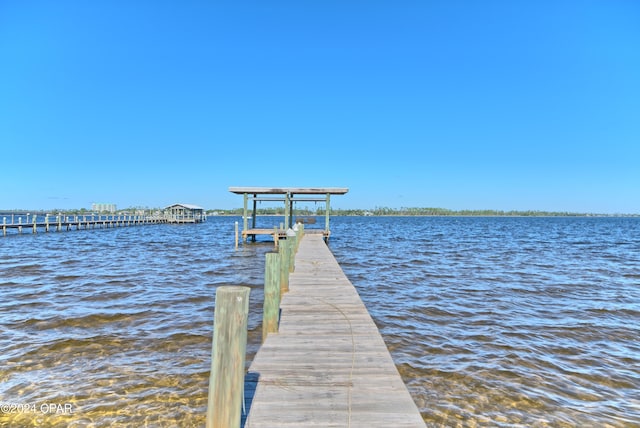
x=287 y=195
x=184 y=213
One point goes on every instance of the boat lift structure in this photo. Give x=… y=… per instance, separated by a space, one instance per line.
x=288 y=195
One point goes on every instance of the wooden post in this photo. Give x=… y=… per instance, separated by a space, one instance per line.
x=4 y=226
x=299 y=234
x=46 y=222
x=284 y=266
x=299 y=237
x=255 y=211
x=276 y=237
x=292 y=252
x=226 y=381
x=253 y=217
x=291 y=210
x=236 y=235
x=326 y=216
x=271 y=307
x=245 y=221
x=287 y=214
x=35 y=219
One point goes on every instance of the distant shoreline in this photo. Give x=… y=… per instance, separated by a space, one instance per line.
x=379 y=212
x=446 y=215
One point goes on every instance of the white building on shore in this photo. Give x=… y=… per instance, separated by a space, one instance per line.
x=102 y=208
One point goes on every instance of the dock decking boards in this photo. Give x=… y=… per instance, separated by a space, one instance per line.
x=328 y=365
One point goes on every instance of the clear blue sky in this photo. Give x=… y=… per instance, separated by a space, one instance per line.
x=454 y=104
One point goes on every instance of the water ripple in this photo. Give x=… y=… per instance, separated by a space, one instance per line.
x=491 y=321
x=505 y=321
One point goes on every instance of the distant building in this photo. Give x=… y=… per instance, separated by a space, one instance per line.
x=102 y=208
x=184 y=213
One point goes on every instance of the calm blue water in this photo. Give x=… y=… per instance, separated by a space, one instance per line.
x=491 y=321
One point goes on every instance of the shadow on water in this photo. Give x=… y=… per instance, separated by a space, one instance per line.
x=250 y=384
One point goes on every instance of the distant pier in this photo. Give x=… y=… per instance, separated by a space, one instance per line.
x=34 y=223
x=60 y=222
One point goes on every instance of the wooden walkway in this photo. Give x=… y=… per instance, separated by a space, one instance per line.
x=328 y=365
x=63 y=222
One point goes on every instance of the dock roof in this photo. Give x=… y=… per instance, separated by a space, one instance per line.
x=291 y=190
x=188 y=206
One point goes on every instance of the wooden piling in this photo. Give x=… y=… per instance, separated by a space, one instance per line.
x=284 y=266
x=276 y=237
x=271 y=308
x=292 y=252
x=226 y=381
x=236 y=235
x=300 y=232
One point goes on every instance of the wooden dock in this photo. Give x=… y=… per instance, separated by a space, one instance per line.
x=58 y=223
x=328 y=365
x=288 y=195
x=278 y=234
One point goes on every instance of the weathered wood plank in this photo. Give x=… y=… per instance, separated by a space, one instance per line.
x=328 y=365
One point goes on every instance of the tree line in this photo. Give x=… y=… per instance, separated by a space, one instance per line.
x=409 y=211
x=320 y=211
